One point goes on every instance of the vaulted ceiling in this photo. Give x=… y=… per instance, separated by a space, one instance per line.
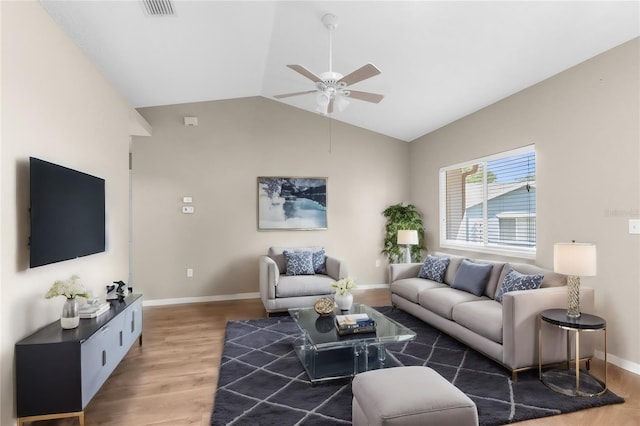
x=440 y=61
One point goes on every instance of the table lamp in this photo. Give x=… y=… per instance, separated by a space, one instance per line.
x=575 y=260
x=408 y=238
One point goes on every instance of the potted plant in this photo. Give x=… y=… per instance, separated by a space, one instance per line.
x=400 y=216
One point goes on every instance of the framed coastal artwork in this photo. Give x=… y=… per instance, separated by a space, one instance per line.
x=292 y=203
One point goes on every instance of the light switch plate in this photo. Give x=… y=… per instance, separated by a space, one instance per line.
x=634 y=226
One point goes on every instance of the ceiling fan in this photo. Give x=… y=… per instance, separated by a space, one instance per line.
x=332 y=88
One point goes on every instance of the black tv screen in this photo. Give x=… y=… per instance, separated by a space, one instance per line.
x=67 y=213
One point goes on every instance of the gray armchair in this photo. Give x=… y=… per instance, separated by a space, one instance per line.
x=280 y=291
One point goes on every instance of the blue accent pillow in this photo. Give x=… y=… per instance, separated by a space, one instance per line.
x=472 y=277
x=514 y=280
x=319 y=265
x=434 y=268
x=298 y=262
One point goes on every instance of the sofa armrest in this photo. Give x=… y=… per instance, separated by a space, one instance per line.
x=520 y=311
x=336 y=268
x=399 y=271
x=269 y=277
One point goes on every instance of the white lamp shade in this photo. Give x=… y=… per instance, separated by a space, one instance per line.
x=408 y=237
x=577 y=259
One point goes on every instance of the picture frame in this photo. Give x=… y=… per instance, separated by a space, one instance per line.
x=291 y=203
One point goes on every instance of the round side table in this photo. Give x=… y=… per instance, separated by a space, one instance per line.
x=562 y=380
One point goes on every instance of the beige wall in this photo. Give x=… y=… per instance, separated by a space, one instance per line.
x=217 y=164
x=56 y=106
x=585 y=124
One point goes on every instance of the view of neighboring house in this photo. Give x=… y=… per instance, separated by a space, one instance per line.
x=499 y=199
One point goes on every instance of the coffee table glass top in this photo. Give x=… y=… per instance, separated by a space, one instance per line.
x=326 y=355
x=320 y=331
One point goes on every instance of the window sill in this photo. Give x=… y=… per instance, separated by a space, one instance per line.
x=501 y=251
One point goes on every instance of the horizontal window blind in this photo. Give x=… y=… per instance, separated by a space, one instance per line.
x=491 y=202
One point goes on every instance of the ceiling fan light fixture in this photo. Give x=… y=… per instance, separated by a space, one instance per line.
x=323 y=99
x=341 y=103
x=323 y=109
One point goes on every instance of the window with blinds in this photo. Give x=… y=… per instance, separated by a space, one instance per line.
x=489 y=204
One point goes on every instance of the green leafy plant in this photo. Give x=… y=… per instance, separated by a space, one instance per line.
x=400 y=216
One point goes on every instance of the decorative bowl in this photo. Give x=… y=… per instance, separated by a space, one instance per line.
x=324 y=306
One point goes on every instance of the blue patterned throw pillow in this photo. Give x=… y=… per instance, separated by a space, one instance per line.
x=298 y=262
x=319 y=265
x=514 y=280
x=434 y=268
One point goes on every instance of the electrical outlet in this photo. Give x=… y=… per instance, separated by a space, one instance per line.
x=189 y=272
x=377 y=263
x=634 y=226
x=187 y=209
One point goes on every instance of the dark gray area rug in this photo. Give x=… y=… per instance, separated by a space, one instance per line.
x=262 y=382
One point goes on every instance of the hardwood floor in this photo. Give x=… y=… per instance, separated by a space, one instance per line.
x=171 y=379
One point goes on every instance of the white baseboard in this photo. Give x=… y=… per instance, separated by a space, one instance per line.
x=633 y=367
x=371 y=286
x=201 y=299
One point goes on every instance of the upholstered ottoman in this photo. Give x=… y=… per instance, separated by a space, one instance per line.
x=409 y=396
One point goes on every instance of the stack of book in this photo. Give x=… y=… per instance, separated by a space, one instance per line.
x=94 y=309
x=355 y=323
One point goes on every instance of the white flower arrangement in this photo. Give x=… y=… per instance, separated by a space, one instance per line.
x=344 y=285
x=69 y=289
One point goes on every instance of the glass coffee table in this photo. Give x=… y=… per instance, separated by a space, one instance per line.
x=326 y=355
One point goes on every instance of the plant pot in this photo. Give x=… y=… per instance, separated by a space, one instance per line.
x=344 y=302
x=70 y=317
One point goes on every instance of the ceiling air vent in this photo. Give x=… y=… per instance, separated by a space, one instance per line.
x=158 y=7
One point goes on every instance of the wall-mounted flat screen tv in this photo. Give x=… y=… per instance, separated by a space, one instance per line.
x=67 y=213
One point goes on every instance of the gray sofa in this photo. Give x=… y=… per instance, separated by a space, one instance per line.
x=505 y=332
x=280 y=291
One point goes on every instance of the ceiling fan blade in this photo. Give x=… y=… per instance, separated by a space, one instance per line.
x=305 y=72
x=362 y=73
x=365 y=96
x=286 y=95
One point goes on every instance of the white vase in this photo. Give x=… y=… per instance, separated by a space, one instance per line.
x=344 y=302
x=70 y=317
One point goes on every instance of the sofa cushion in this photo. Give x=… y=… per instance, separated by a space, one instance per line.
x=304 y=285
x=409 y=288
x=483 y=317
x=299 y=262
x=514 y=280
x=275 y=253
x=434 y=268
x=319 y=263
x=442 y=300
x=494 y=277
x=472 y=277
